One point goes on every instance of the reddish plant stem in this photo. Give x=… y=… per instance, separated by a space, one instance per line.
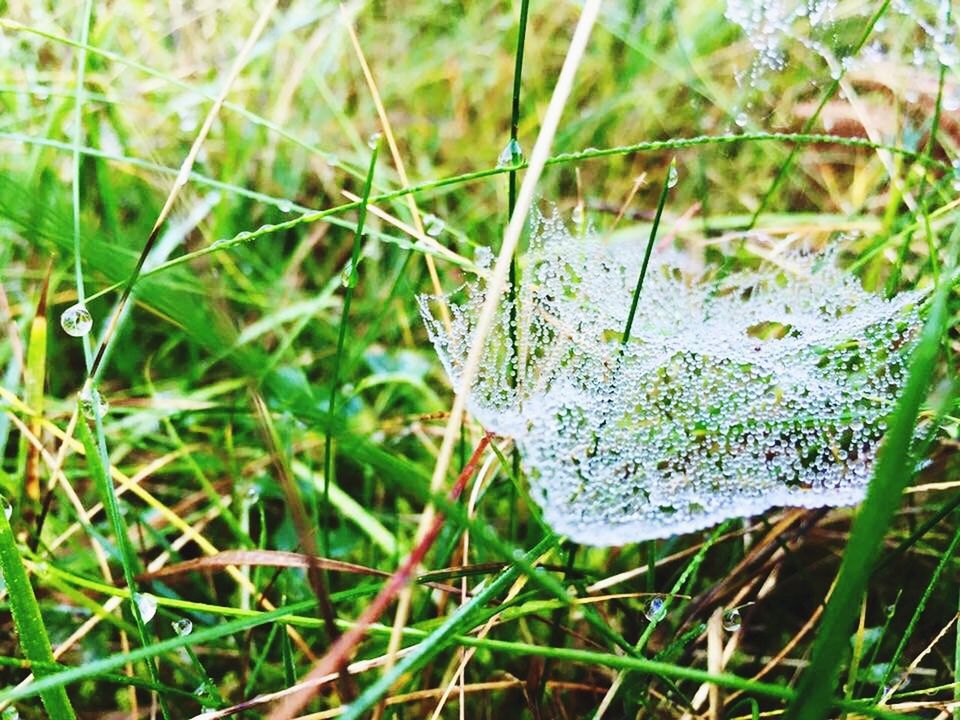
x=341 y=650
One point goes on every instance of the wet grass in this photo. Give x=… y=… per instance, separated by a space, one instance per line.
x=259 y=404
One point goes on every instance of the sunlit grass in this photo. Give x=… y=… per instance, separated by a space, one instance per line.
x=240 y=297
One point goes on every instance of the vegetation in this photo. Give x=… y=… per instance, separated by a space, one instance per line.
x=234 y=481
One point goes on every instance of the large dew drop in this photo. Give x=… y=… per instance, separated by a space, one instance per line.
x=731 y=620
x=655 y=609
x=93 y=404
x=76 y=320
x=146 y=604
x=511 y=155
x=734 y=393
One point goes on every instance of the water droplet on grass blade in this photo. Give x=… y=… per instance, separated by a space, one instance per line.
x=146 y=604
x=483 y=257
x=742 y=119
x=511 y=155
x=348 y=276
x=577 y=215
x=655 y=608
x=731 y=620
x=92 y=404
x=673 y=176
x=251 y=495
x=285 y=206
x=183 y=176
x=433 y=225
x=6 y=507
x=374 y=140
x=76 y=320
x=182 y=627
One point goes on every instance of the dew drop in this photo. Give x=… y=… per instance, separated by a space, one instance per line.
x=577 y=214
x=741 y=119
x=348 y=276
x=76 y=320
x=483 y=257
x=656 y=609
x=511 y=155
x=92 y=404
x=434 y=225
x=182 y=627
x=146 y=604
x=673 y=177
x=10 y=713
x=251 y=496
x=6 y=507
x=374 y=141
x=731 y=620
x=183 y=176
x=285 y=206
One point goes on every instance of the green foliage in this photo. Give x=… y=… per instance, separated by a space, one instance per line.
x=242 y=295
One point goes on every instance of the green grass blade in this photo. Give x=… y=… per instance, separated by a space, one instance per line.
x=95 y=453
x=341 y=339
x=29 y=622
x=147 y=653
x=668 y=181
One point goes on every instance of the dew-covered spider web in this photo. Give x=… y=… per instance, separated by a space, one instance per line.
x=920 y=30
x=765 y=387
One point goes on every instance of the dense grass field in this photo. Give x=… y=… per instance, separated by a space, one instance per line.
x=239 y=494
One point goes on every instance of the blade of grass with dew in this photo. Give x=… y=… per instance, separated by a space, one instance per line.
x=893 y=472
x=341 y=339
x=148 y=653
x=46 y=224
x=28 y=620
x=688 y=574
x=511 y=204
x=95 y=453
x=86 y=14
